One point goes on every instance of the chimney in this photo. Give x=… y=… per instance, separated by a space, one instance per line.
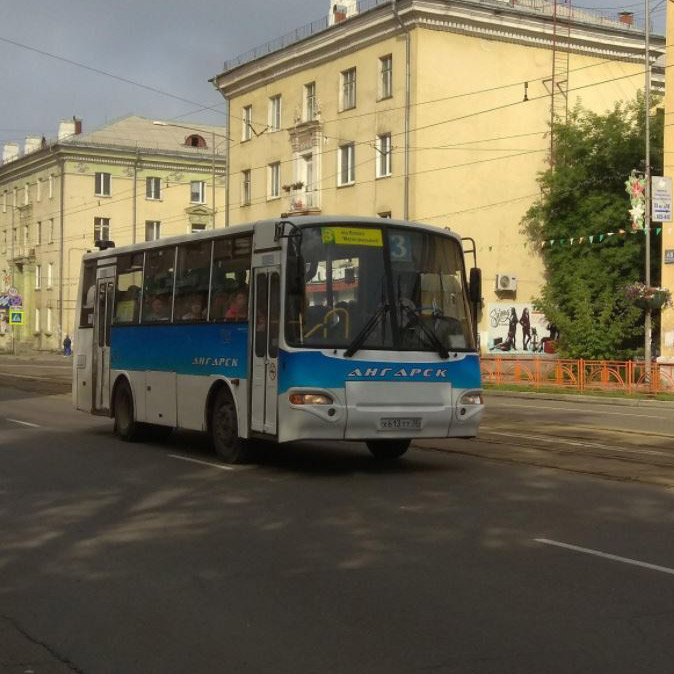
x=10 y=152
x=69 y=127
x=342 y=10
x=32 y=144
x=626 y=17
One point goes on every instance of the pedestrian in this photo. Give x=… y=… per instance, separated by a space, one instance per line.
x=67 y=344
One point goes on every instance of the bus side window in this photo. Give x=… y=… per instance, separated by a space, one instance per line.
x=127 y=295
x=88 y=295
x=158 y=284
x=192 y=276
x=230 y=279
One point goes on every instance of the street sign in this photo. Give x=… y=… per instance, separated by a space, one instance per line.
x=669 y=256
x=16 y=317
x=661 y=199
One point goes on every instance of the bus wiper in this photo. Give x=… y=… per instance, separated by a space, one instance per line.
x=429 y=332
x=360 y=338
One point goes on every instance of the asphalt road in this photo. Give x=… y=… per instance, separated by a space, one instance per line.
x=156 y=558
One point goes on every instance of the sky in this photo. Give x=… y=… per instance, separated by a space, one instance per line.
x=170 y=46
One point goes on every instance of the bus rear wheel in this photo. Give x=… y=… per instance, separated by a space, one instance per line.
x=388 y=449
x=225 y=430
x=126 y=426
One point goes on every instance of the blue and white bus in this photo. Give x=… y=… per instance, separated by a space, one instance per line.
x=310 y=328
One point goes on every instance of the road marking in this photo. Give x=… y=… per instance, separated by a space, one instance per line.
x=23 y=423
x=577 y=443
x=206 y=463
x=606 y=555
x=573 y=409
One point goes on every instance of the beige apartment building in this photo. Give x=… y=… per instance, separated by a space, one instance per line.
x=667 y=316
x=132 y=180
x=431 y=110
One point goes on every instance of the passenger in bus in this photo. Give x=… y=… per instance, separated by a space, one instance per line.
x=219 y=305
x=195 y=308
x=238 y=309
x=159 y=309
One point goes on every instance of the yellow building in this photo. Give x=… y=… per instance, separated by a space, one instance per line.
x=431 y=111
x=667 y=316
x=132 y=180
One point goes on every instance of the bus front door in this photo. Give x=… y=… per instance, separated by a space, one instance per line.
x=105 y=290
x=264 y=375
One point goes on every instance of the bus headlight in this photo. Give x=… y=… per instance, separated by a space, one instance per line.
x=310 y=399
x=471 y=399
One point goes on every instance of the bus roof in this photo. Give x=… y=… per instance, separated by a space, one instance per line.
x=299 y=221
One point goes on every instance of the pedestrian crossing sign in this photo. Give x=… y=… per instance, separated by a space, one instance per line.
x=16 y=317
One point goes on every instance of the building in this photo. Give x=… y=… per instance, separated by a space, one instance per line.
x=132 y=180
x=432 y=110
x=667 y=316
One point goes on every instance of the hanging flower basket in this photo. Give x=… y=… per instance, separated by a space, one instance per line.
x=648 y=297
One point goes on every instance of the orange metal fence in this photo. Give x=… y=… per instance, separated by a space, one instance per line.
x=578 y=375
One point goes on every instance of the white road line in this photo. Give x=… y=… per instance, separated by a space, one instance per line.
x=575 y=409
x=606 y=555
x=23 y=423
x=204 y=463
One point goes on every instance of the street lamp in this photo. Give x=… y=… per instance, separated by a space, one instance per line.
x=213 y=135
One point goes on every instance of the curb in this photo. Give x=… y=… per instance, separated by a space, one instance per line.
x=565 y=397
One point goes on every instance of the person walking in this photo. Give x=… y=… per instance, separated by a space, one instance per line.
x=67 y=346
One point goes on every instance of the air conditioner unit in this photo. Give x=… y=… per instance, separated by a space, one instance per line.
x=506 y=283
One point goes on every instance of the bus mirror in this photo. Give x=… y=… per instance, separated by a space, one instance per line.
x=475 y=286
x=278 y=231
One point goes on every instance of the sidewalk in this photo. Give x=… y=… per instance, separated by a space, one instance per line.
x=577 y=398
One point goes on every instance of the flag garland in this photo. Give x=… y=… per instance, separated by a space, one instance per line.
x=599 y=238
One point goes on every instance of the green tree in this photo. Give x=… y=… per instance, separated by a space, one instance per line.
x=584 y=195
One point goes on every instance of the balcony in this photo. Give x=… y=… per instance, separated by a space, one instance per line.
x=305 y=202
x=21 y=253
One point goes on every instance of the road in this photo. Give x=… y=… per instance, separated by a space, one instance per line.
x=157 y=558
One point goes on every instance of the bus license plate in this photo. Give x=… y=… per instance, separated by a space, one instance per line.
x=400 y=423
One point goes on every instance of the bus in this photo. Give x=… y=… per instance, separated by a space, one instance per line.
x=306 y=328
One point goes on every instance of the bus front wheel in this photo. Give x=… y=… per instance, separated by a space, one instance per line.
x=126 y=426
x=388 y=449
x=225 y=430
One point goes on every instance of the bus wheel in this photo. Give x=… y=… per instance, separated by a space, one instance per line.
x=225 y=430
x=126 y=426
x=387 y=449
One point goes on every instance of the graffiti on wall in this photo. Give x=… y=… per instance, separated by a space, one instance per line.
x=10 y=299
x=518 y=328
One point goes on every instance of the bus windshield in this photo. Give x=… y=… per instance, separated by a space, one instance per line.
x=382 y=287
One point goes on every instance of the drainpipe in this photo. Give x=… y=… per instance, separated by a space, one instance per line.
x=61 y=243
x=135 y=196
x=406 y=189
x=228 y=140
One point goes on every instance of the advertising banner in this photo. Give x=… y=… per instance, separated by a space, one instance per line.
x=518 y=329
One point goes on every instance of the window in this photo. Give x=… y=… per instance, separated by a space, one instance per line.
x=38 y=276
x=195 y=141
x=310 y=107
x=192 y=281
x=38 y=233
x=101 y=229
x=274 y=180
x=102 y=185
x=230 y=279
x=197 y=191
x=274 y=121
x=383 y=150
x=50 y=275
x=158 y=285
x=14 y=202
x=247 y=123
x=198 y=227
x=386 y=76
x=245 y=188
x=4 y=201
x=25 y=194
x=51 y=230
x=51 y=187
x=346 y=172
x=48 y=320
x=26 y=235
x=348 y=93
x=4 y=242
x=89 y=294
x=38 y=191
x=127 y=295
x=152 y=230
x=37 y=320
x=153 y=188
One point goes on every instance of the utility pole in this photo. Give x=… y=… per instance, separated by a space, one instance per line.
x=647 y=173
